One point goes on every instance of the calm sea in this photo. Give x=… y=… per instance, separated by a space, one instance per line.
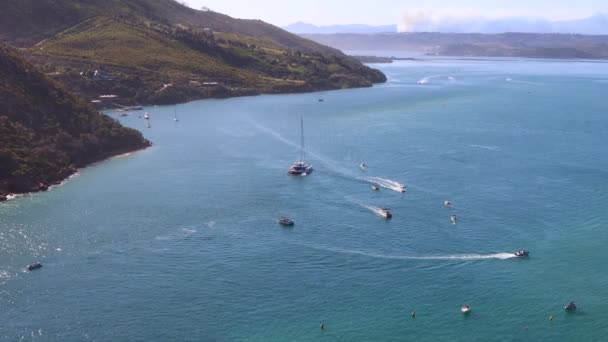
x=180 y=242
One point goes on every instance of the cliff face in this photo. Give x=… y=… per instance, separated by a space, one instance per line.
x=139 y=46
x=47 y=132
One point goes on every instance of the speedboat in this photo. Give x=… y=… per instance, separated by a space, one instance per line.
x=570 y=306
x=402 y=188
x=286 y=221
x=453 y=218
x=447 y=204
x=147 y=116
x=375 y=187
x=34 y=266
x=522 y=253
x=362 y=166
x=465 y=309
x=386 y=213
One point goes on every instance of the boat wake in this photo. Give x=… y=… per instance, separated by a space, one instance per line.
x=333 y=166
x=427 y=80
x=485 y=147
x=448 y=257
x=177 y=235
x=386 y=183
x=376 y=210
x=329 y=164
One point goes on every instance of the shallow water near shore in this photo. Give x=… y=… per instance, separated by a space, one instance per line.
x=180 y=241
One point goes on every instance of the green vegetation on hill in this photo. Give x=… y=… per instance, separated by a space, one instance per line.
x=159 y=51
x=47 y=132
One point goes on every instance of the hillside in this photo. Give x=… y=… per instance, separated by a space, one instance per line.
x=46 y=132
x=533 y=45
x=159 y=52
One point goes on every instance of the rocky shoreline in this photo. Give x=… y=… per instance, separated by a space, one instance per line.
x=9 y=189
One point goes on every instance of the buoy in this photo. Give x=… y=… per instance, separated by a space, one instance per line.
x=413 y=314
x=550 y=318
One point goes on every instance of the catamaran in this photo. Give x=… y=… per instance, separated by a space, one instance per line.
x=301 y=168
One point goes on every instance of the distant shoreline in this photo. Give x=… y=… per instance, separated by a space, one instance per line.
x=373 y=59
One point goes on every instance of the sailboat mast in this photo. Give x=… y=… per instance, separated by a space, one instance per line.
x=301 y=138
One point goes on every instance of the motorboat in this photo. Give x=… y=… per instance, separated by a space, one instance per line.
x=123 y=114
x=34 y=266
x=570 y=306
x=375 y=187
x=454 y=219
x=448 y=204
x=386 y=213
x=147 y=116
x=465 y=309
x=362 y=166
x=300 y=168
x=402 y=188
x=285 y=221
x=522 y=253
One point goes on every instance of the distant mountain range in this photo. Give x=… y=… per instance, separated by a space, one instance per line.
x=533 y=45
x=301 y=27
x=428 y=22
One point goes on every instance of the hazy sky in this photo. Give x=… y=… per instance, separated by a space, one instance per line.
x=378 y=12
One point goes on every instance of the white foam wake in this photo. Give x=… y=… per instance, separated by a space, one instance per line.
x=427 y=80
x=376 y=210
x=386 y=183
x=472 y=257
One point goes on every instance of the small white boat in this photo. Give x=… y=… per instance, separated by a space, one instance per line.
x=362 y=166
x=448 y=204
x=147 y=116
x=285 y=221
x=402 y=188
x=175 y=115
x=375 y=187
x=465 y=309
x=454 y=219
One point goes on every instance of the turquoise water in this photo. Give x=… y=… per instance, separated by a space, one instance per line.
x=179 y=242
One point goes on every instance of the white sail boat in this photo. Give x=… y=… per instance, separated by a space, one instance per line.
x=301 y=168
x=175 y=115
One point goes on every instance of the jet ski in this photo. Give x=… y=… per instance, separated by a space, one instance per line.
x=570 y=307
x=522 y=253
x=34 y=266
x=465 y=309
x=285 y=221
x=375 y=187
